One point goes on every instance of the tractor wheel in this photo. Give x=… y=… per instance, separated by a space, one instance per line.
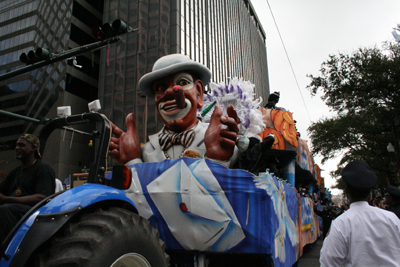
x=106 y=238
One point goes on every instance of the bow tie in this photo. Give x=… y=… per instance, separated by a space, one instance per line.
x=184 y=138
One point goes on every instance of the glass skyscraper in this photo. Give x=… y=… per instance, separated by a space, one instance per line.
x=57 y=25
x=224 y=35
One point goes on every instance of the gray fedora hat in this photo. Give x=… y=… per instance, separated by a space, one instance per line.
x=171 y=64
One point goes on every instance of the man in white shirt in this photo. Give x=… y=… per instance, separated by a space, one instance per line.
x=183 y=135
x=363 y=235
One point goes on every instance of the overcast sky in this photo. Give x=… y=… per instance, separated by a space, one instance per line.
x=312 y=30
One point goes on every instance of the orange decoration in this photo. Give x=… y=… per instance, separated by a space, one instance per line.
x=281 y=124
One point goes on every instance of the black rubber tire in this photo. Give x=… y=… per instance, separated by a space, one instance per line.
x=99 y=238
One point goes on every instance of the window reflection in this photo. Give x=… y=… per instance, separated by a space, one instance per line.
x=142 y=42
x=164 y=37
x=132 y=40
x=119 y=81
x=130 y=63
x=165 y=5
x=143 y=26
x=117 y=117
x=153 y=8
x=164 y=20
x=143 y=10
x=153 y=39
x=141 y=60
x=131 y=81
x=129 y=100
x=152 y=57
x=153 y=23
x=118 y=100
x=109 y=84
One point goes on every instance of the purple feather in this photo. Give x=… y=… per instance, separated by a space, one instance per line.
x=226 y=88
x=222 y=89
x=247 y=124
x=240 y=92
x=231 y=88
x=215 y=93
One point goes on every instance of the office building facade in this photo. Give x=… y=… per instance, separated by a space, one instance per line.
x=224 y=35
x=58 y=26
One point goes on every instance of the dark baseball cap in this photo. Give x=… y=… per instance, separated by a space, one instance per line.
x=34 y=141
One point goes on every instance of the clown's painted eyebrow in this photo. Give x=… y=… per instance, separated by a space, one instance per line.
x=184 y=79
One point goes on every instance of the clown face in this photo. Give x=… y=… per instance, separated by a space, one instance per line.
x=174 y=118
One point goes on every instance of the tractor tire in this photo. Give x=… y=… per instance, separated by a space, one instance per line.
x=105 y=238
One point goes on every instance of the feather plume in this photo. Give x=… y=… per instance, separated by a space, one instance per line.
x=239 y=93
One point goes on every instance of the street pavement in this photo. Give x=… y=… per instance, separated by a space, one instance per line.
x=310 y=257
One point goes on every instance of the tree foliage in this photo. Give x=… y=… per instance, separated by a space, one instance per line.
x=363 y=89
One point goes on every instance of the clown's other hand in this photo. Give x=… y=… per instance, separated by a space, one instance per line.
x=126 y=145
x=220 y=143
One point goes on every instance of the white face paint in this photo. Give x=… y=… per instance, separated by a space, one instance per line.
x=173 y=112
x=185 y=80
x=169 y=110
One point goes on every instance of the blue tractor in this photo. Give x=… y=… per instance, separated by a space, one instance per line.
x=95 y=224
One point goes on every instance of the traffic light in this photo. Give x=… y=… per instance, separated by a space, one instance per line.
x=32 y=57
x=110 y=30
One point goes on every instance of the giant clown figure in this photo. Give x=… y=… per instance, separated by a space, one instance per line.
x=183 y=134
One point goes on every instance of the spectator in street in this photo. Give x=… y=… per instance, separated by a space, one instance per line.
x=364 y=235
x=377 y=201
x=394 y=199
x=25 y=185
x=327 y=216
x=342 y=210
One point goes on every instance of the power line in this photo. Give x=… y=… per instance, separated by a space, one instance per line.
x=290 y=63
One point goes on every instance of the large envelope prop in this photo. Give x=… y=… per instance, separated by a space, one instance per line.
x=195 y=208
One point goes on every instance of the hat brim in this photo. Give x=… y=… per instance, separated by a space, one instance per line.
x=393 y=191
x=146 y=82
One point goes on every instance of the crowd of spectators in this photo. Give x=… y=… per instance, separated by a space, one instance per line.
x=328 y=211
x=390 y=200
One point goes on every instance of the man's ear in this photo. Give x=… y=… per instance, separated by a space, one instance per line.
x=200 y=93
x=33 y=148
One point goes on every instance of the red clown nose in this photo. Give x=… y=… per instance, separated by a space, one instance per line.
x=179 y=96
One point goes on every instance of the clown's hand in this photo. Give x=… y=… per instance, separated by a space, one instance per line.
x=126 y=145
x=220 y=143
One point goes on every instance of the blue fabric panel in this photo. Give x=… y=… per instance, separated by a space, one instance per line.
x=254 y=207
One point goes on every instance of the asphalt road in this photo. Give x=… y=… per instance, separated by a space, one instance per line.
x=310 y=257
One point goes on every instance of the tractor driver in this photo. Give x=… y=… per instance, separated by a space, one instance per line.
x=26 y=185
x=183 y=134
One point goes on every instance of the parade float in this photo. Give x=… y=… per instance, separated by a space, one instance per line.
x=196 y=210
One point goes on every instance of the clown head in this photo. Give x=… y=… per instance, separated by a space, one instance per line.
x=171 y=70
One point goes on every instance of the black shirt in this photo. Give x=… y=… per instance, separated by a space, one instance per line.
x=36 y=179
x=327 y=217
